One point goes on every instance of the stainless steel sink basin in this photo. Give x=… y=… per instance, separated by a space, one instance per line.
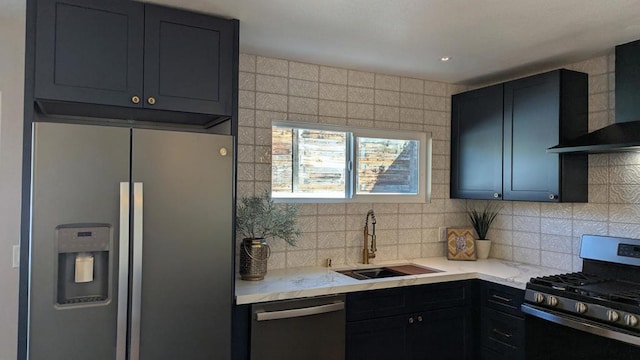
x=388 y=271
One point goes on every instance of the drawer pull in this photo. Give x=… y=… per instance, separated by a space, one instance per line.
x=503 y=334
x=501 y=298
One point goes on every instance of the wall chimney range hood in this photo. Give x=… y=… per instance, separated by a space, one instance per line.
x=624 y=134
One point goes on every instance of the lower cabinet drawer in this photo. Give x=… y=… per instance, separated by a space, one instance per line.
x=502 y=333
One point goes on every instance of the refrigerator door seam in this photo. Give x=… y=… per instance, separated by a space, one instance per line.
x=123 y=273
x=136 y=288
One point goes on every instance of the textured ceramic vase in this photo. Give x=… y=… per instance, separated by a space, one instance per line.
x=483 y=247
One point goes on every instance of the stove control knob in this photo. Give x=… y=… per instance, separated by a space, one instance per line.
x=581 y=307
x=613 y=315
x=631 y=320
x=552 y=301
x=539 y=298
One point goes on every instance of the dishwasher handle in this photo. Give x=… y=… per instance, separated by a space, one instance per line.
x=293 y=313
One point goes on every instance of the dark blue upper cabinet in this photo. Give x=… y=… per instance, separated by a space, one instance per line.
x=94 y=54
x=500 y=136
x=89 y=51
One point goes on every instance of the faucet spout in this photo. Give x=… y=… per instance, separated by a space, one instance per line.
x=369 y=252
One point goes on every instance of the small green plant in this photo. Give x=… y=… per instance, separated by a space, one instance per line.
x=259 y=217
x=482 y=219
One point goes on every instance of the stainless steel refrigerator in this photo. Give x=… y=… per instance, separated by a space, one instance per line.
x=131 y=244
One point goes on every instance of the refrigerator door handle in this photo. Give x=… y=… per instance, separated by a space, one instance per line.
x=136 y=286
x=123 y=273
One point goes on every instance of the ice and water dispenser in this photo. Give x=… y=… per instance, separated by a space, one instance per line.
x=85 y=256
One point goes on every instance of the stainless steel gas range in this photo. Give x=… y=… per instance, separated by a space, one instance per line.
x=592 y=314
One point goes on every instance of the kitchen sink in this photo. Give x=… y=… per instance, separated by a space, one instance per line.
x=388 y=271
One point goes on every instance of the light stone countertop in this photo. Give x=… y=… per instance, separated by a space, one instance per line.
x=314 y=281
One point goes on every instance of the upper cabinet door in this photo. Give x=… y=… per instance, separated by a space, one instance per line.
x=476 y=144
x=188 y=62
x=89 y=51
x=531 y=126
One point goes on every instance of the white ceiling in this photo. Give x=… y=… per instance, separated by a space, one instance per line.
x=486 y=39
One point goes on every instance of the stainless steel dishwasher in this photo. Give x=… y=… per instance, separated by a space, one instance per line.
x=302 y=329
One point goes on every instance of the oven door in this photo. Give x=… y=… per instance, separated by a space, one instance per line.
x=554 y=335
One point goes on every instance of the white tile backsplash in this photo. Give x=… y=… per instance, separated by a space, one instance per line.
x=529 y=232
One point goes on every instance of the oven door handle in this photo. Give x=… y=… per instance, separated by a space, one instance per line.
x=580 y=324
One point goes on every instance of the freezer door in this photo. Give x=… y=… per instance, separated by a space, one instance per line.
x=182 y=282
x=75 y=232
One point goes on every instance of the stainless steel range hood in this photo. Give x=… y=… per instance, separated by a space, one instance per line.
x=624 y=135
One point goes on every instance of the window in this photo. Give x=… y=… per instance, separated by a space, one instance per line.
x=319 y=163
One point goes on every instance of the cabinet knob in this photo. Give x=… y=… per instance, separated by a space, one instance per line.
x=151 y=100
x=553 y=196
x=497 y=195
x=410 y=320
x=135 y=99
x=419 y=318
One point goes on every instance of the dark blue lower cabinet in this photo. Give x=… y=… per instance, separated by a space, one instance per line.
x=439 y=333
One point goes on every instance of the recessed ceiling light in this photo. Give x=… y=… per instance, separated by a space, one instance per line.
x=445 y=58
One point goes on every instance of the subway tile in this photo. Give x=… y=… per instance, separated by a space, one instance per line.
x=247 y=62
x=303 y=88
x=302 y=105
x=247 y=81
x=332 y=108
x=303 y=71
x=436 y=88
x=272 y=84
x=624 y=175
x=331 y=239
x=271 y=102
x=499 y=251
x=360 y=95
x=526 y=223
x=246 y=117
x=557 y=243
x=410 y=221
x=590 y=211
x=331 y=223
x=415 y=116
x=333 y=75
x=436 y=103
x=556 y=260
x=387 y=82
x=411 y=100
x=264 y=118
x=386 y=97
x=271 y=66
x=409 y=236
x=582 y=227
x=412 y=85
x=331 y=120
x=556 y=226
x=246 y=99
x=527 y=256
x=526 y=239
x=598 y=102
x=332 y=209
x=621 y=194
x=301 y=258
x=361 y=78
x=409 y=251
x=333 y=92
x=387 y=113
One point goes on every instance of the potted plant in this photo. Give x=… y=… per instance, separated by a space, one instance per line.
x=481 y=221
x=258 y=219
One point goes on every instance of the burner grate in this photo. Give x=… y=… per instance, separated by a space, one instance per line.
x=628 y=297
x=569 y=281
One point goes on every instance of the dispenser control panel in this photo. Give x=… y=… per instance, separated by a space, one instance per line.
x=83 y=239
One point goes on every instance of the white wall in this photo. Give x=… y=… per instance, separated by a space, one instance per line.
x=11 y=119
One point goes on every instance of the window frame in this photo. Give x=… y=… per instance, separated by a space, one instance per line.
x=353 y=133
